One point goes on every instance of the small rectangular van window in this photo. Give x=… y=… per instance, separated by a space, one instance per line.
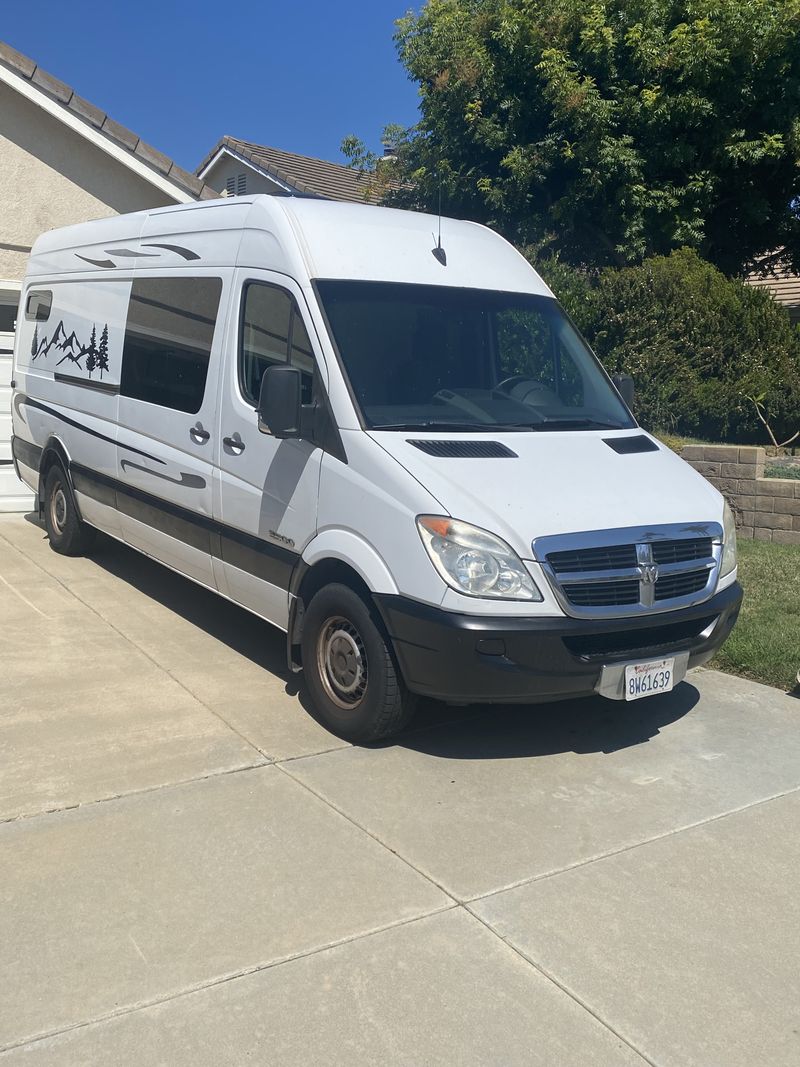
x=38 y=304
x=272 y=331
x=168 y=339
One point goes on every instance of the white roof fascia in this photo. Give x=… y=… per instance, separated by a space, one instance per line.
x=121 y=155
x=225 y=151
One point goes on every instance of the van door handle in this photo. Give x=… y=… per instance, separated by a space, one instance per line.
x=198 y=434
x=235 y=444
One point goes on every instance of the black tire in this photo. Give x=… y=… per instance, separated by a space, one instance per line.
x=350 y=673
x=67 y=533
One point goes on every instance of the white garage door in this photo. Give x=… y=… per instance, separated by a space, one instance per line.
x=14 y=496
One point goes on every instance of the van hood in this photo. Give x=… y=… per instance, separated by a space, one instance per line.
x=557 y=483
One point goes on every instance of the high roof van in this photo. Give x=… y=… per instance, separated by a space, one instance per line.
x=392 y=446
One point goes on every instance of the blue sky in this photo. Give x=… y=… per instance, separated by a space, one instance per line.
x=181 y=74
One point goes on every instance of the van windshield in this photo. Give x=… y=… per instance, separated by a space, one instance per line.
x=430 y=357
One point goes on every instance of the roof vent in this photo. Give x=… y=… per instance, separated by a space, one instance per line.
x=465 y=449
x=236 y=185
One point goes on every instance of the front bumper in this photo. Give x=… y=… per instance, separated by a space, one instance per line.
x=471 y=659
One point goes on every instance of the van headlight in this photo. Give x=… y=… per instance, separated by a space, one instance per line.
x=475 y=562
x=728 y=542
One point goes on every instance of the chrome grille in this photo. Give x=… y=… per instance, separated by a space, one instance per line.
x=681 y=551
x=601 y=594
x=639 y=570
x=593 y=559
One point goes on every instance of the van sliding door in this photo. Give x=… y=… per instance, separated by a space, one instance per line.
x=168 y=415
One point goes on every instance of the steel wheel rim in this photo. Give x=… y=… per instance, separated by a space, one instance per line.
x=342 y=663
x=58 y=509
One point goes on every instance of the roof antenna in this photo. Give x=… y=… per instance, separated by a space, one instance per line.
x=439 y=253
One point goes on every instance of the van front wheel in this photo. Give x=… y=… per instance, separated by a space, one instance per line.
x=351 y=677
x=65 y=530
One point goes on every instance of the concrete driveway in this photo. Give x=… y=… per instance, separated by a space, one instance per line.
x=192 y=871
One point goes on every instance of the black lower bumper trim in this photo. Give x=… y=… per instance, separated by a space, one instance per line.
x=469 y=659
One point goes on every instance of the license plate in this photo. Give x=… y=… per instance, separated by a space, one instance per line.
x=647 y=679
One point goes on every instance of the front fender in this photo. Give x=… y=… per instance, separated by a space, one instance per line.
x=350 y=548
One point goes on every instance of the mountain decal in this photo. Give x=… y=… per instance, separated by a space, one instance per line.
x=94 y=353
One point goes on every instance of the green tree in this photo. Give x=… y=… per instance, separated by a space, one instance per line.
x=609 y=130
x=699 y=345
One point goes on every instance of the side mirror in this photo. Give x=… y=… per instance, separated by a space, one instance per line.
x=625 y=387
x=279 y=402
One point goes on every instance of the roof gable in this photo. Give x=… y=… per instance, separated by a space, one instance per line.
x=303 y=175
x=23 y=74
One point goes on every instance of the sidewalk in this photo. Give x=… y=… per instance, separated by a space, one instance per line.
x=194 y=872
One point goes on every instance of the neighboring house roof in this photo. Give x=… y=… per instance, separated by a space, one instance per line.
x=303 y=175
x=784 y=286
x=25 y=75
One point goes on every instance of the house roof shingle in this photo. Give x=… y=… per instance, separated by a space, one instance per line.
x=304 y=174
x=57 y=90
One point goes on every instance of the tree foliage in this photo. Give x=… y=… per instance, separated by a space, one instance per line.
x=608 y=130
x=700 y=346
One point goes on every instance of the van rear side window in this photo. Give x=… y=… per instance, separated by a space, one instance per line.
x=38 y=304
x=168 y=339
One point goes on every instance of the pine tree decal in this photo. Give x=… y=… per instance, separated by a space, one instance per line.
x=91 y=352
x=102 y=351
x=35 y=341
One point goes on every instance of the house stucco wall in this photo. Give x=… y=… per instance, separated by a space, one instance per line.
x=50 y=176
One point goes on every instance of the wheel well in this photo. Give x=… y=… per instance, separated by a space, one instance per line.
x=321 y=574
x=53 y=452
x=332 y=570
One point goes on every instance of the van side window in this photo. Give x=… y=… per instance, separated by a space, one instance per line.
x=272 y=331
x=38 y=304
x=168 y=339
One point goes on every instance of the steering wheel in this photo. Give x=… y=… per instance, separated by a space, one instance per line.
x=513 y=379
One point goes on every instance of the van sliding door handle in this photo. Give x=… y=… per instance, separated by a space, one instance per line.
x=198 y=434
x=235 y=444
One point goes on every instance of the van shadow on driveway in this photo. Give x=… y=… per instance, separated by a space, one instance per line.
x=470 y=733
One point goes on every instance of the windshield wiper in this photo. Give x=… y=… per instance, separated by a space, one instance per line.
x=455 y=427
x=576 y=424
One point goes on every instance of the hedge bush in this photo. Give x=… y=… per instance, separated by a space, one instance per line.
x=697 y=343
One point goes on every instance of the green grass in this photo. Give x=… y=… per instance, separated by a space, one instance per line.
x=765 y=643
x=782 y=472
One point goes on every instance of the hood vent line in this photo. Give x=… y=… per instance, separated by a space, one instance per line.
x=626 y=446
x=464 y=449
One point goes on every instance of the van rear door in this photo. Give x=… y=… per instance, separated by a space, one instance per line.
x=268 y=487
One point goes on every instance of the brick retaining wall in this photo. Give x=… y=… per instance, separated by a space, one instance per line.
x=767 y=509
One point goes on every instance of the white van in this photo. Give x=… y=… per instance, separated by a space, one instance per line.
x=395 y=449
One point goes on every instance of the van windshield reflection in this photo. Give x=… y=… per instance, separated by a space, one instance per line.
x=428 y=357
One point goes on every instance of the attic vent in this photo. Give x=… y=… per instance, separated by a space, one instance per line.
x=626 y=446
x=236 y=185
x=465 y=449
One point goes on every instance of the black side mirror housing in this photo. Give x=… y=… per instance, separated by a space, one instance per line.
x=279 y=402
x=625 y=387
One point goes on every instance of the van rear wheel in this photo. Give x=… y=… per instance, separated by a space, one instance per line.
x=65 y=530
x=350 y=673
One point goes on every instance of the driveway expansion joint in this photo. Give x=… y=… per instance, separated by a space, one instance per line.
x=125 y=637
x=600 y=856
x=564 y=988
x=131 y=1009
